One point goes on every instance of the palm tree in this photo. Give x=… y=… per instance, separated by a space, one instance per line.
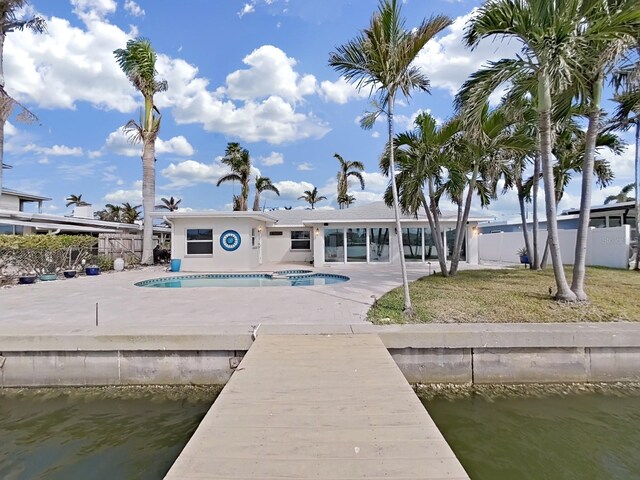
x=347 y=169
x=130 y=213
x=381 y=58
x=9 y=23
x=170 y=204
x=610 y=28
x=346 y=200
x=547 y=31
x=75 y=200
x=420 y=158
x=113 y=213
x=239 y=162
x=622 y=196
x=263 y=184
x=312 y=197
x=138 y=62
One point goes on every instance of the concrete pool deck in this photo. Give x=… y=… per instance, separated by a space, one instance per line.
x=69 y=306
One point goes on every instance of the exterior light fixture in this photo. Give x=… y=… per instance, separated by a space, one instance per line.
x=259 y=228
x=317 y=231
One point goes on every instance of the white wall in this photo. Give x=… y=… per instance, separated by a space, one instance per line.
x=606 y=247
x=277 y=249
x=245 y=258
x=9 y=202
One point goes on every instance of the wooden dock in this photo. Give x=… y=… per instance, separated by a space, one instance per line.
x=322 y=407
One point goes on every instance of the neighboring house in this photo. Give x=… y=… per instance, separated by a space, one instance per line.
x=602 y=216
x=15 y=201
x=219 y=241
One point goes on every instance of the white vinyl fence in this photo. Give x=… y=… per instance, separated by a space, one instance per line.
x=606 y=247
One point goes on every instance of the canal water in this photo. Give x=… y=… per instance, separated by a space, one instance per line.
x=97 y=433
x=541 y=432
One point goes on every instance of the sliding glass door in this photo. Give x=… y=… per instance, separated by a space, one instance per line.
x=334 y=245
x=379 y=245
x=356 y=245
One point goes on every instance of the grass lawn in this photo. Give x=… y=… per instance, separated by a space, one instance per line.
x=513 y=295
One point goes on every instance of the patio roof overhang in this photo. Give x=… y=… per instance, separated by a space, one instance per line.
x=259 y=216
x=56 y=226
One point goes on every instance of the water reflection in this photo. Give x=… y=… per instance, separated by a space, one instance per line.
x=540 y=432
x=132 y=433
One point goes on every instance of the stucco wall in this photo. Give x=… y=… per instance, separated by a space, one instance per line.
x=277 y=248
x=245 y=258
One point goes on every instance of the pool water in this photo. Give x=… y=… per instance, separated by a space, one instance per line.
x=542 y=432
x=288 y=278
x=97 y=433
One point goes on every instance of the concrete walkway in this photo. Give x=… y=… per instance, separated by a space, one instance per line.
x=322 y=407
x=69 y=306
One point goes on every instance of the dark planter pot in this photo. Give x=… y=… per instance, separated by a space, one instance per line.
x=48 y=277
x=27 y=279
x=69 y=273
x=92 y=271
x=524 y=259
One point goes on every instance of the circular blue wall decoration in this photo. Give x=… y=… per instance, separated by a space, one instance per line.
x=230 y=240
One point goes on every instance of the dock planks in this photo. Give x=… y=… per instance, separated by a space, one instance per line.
x=321 y=407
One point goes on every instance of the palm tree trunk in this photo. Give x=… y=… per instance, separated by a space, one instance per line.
x=564 y=293
x=580 y=259
x=148 y=197
x=2 y=123
x=245 y=195
x=637 y=195
x=256 y=202
x=436 y=233
x=3 y=109
x=461 y=223
x=534 y=207
x=523 y=218
x=408 y=309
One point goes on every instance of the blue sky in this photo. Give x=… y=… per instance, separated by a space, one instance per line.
x=251 y=71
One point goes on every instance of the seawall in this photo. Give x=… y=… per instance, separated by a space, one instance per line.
x=433 y=353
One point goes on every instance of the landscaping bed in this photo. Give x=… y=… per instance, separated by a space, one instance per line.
x=513 y=295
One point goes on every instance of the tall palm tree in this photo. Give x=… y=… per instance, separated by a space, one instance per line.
x=312 y=197
x=627 y=115
x=130 y=213
x=75 y=200
x=347 y=169
x=9 y=22
x=610 y=28
x=622 y=195
x=138 y=62
x=547 y=31
x=263 y=184
x=381 y=58
x=239 y=162
x=170 y=204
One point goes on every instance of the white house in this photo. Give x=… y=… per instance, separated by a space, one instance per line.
x=224 y=241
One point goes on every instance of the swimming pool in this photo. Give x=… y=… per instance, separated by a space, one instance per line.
x=284 y=278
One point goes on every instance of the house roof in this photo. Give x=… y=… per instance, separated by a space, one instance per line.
x=267 y=217
x=375 y=212
x=56 y=226
x=23 y=195
x=603 y=208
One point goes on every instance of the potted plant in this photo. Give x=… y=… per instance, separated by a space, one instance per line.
x=524 y=256
x=25 y=278
x=92 y=269
x=70 y=273
x=49 y=272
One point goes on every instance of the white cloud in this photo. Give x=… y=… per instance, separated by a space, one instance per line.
x=448 y=63
x=623 y=165
x=291 y=190
x=55 y=151
x=341 y=91
x=133 y=8
x=71 y=64
x=190 y=173
x=375 y=135
x=271 y=73
x=9 y=129
x=247 y=8
x=118 y=143
x=304 y=167
x=274 y=158
x=132 y=195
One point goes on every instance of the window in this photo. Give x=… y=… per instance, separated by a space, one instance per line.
x=615 y=221
x=598 y=222
x=199 y=241
x=300 y=240
x=253 y=237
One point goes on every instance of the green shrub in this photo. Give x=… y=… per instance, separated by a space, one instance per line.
x=105 y=263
